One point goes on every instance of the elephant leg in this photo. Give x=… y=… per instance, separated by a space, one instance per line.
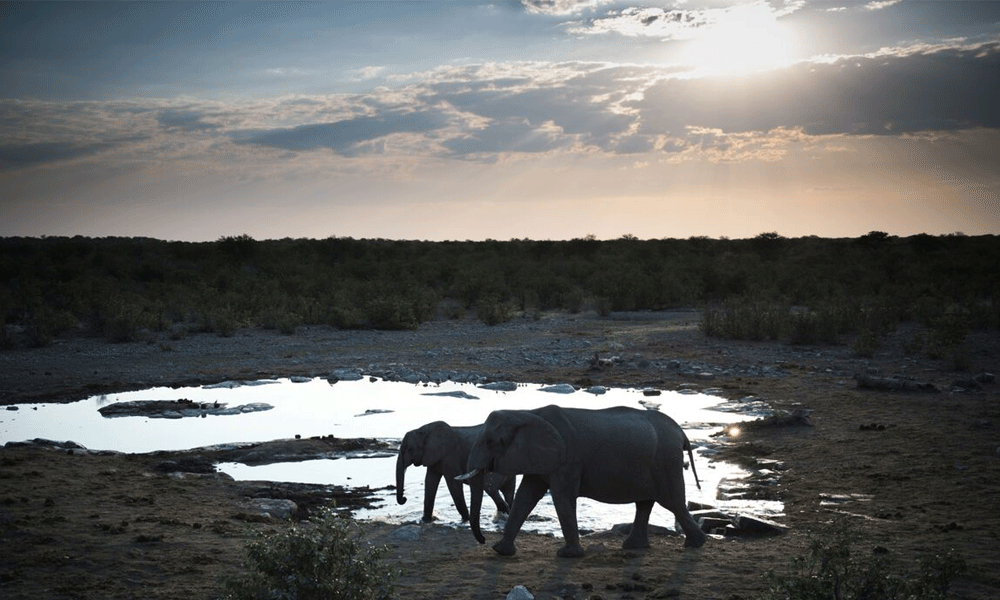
x=639 y=536
x=507 y=489
x=694 y=537
x=566 y=510
x=502 y=505
x=458 y=497
x=431 y=481
x=531 y=491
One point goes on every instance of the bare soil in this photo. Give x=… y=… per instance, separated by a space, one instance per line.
x=923 y=466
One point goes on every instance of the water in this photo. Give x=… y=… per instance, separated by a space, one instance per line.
x=378 y=409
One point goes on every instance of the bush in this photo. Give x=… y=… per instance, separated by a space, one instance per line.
x=835 y=569
x=317 y=559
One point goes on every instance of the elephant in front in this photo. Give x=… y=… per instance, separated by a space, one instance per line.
x=444 y=450
x=614 y=455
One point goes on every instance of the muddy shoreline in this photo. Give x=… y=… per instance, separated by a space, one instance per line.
x=915 y=471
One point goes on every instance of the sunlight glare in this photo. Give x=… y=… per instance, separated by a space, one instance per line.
x=741 y=41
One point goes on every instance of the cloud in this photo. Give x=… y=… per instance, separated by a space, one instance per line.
x=343 y=136
x=880 y=4
x=488 y=111
x=679 y=23
x=187 y=120
x=562 y=7
x=889 y=93
x=14 y=156
x=648 y=22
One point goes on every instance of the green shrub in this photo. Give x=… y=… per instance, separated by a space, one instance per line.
x=318 y=559
x=835 y=568
x=493 y=311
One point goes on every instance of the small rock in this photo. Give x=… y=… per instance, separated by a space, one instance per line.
x=500 y=386
x=562 y=388
x=276 y=508
x=406 y=533
x=746 y=524
x=520 y=593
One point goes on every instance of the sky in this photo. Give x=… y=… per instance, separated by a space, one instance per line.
x=472 y=120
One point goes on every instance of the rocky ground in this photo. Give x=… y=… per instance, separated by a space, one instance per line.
x=915 y=470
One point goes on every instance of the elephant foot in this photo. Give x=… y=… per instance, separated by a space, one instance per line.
x=505 y=548
x=427 y=519
x=635 y=543
x=694 y=539
x=571 y=551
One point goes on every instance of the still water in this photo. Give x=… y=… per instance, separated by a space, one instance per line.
x=373 y=409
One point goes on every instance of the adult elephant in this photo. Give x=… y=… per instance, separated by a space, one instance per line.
x=615 y=455
x=444 y=450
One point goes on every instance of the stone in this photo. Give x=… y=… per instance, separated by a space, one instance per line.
x=276 y=508
x=750 y=525
x=406 y=533
x=345 y=375
x=520 y=593
x=561 y=388
x=596 y=390
x=500 y=386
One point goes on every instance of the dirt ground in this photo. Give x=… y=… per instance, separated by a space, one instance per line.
x=923 y=466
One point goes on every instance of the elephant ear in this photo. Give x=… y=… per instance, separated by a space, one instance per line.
x=440 y=442
x=536 y=448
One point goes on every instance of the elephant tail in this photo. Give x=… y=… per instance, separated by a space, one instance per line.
x=687 y=446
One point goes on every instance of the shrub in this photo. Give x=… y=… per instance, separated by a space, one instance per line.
x=315 y=560
x=493 y=311
x=835 y=568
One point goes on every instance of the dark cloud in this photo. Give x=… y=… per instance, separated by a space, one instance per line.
x=933 y=90
x=16 y=156
x=343 y=136
x=507 y=135
x=186 y=120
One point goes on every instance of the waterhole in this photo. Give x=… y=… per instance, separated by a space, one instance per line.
x=374 y=408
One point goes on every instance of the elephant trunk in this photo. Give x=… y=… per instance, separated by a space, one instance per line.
x=401 y=464
x=476 y=495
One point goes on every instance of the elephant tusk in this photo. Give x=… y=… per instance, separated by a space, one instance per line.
x=468 y=475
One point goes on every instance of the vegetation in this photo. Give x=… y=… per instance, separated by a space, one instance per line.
x=314 y=560
x=803 y=290
x=835 y=568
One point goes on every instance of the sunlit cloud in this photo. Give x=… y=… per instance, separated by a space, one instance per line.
x=562 y=7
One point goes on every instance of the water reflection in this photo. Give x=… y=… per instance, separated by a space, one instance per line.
x=378 y=409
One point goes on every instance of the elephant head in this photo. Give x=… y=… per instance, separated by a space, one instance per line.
x=514 y=442
x=423 y=447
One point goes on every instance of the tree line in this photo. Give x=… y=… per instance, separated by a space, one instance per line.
x=804 y=290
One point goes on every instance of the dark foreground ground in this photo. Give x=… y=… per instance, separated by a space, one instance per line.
x=922 y=466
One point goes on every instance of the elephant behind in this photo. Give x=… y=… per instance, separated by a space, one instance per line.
x=615 y=455
x=444 y=450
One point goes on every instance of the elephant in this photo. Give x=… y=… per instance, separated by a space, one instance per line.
x=444 y=450
x=614 y=455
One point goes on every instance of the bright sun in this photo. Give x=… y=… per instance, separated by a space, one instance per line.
x=742 y=40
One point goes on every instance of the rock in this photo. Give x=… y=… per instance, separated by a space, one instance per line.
x=750 y=525
x=406 y=533
x=176 y=409
x=985 y=378
x=520 y=593
x=650 y=392
x=596 y=390
x=344 y=375
x=797 y=418
x=893 y=384
x=500 y=386
x=562 y=388
x=299 y=379
x=457 y=394
x=274 y=507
